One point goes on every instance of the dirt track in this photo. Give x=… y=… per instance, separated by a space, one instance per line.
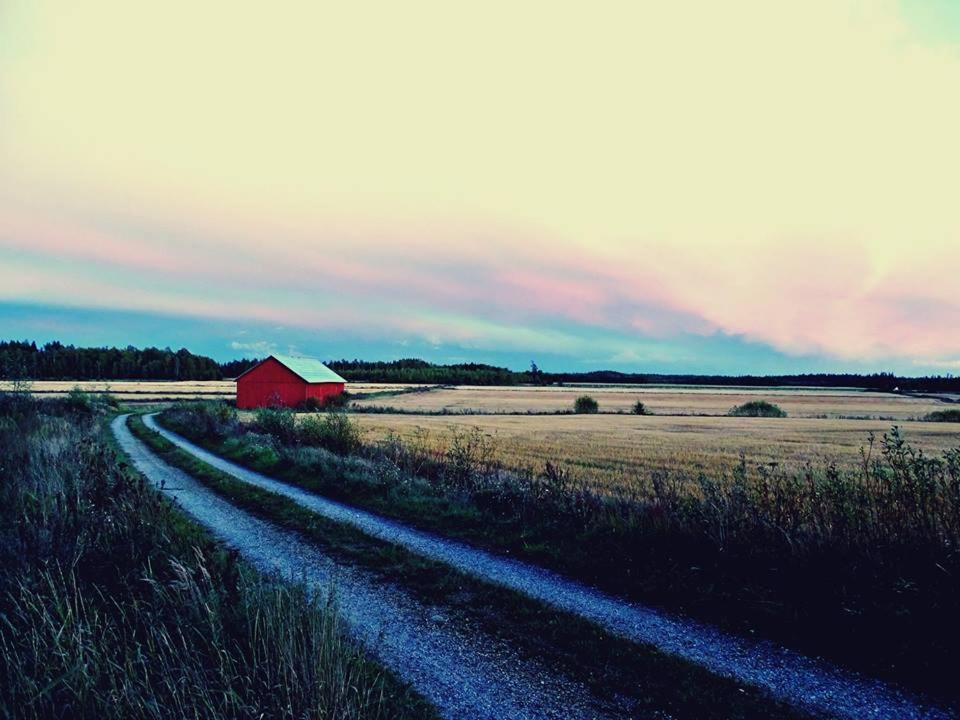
x=464 y=672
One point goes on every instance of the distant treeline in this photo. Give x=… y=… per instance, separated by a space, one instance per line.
x=55 y=361
x=876 y=381
x=420 y=371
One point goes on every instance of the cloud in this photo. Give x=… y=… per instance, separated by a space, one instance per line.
x=944 y=364
x=779 y=173
x=261 y=347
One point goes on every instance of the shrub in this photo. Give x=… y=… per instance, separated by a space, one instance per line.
x=585 y=405
x=333 y=431
x=337 y=402
x=207 y=419
x=943 y=416
x=757 y=408
x=79 y=401
x=640 y=409
x=310 y=405
x=278 y=422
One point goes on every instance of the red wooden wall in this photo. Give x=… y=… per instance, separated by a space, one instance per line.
x=321 y=391
x=270 y=383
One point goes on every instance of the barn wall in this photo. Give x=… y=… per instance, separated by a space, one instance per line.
x=270 y=383
x=322 y=391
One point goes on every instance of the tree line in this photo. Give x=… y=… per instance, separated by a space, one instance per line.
x=56 y=361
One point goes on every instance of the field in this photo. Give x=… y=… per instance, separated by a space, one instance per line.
x=616 y=449
x=661 y=400
x=156 y=390
x=689 y=431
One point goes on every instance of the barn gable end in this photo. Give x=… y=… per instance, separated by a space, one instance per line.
x=282 y=380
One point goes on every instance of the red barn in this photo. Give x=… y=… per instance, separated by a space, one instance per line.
x=284 y=380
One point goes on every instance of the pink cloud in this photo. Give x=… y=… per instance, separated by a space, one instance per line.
x=831 y=297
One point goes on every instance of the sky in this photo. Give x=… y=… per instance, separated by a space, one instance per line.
x=748 y=186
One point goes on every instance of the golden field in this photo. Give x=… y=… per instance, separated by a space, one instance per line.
x=662 y=400
x=689 y=432
x=614 y=449
x=155 y=390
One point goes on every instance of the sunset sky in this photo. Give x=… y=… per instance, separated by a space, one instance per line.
x=667 y=186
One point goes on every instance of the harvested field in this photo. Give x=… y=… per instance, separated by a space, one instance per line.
x=157 y=390
x=664 y=400
x=615 y=449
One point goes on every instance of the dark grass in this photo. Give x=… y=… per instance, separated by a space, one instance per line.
x=610 y=665
x=114 y=605
x=860 y=567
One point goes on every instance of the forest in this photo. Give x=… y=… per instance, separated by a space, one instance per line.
x=56 y=361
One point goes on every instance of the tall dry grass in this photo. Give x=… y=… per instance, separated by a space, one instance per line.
x=114 y=606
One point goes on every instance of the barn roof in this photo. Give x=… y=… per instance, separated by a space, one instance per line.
x=307 y=369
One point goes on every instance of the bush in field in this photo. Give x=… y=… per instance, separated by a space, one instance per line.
x=585 y=405
x=334 y=431
x=943 y=416
x=278 y=422
x=640 y=409
x=757 y=408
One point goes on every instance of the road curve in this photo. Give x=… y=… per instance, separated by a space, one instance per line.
x=786 y=675
x=462 y=671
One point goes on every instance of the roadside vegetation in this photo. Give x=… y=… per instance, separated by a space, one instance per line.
x=860 y=565
x=113 y=605
x=614 y=668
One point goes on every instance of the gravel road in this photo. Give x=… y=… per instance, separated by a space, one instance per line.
x=462 y=671
x=789 y=676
